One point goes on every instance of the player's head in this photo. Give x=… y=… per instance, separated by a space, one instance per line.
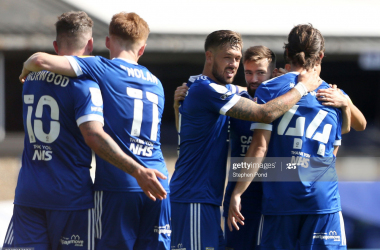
x=74 y=33
x=305 y=47
x=259 y=63
x=223 y=54
x=127 y=31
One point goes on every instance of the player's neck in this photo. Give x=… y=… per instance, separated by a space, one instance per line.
x=296 y=68
x=124 y=54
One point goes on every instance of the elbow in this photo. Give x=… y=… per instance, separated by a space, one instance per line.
x=346 y=130
x=361 y=126
x=36 y=62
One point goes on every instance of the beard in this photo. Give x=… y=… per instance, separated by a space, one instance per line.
x=221 y=79
x=251 y=92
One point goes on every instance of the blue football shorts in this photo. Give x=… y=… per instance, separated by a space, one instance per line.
x=196 y=226
x=307 y=231
x=246 y=237
x=43 y=229
x=130 y=220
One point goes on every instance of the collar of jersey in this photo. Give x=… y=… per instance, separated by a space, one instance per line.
x=294 y=72
x=127 y=60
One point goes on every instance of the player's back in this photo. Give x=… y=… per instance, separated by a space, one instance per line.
x=306 y=136
x=134 y=104
x=56 y=160
x=200 y=170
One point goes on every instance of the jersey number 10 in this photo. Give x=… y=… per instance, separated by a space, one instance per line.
x=38 y=130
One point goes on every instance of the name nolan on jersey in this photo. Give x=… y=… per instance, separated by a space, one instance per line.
x=138 y=73
x=49 y=77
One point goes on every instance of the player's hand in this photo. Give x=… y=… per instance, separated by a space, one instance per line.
x=23 y=75
x=310 y=78
x=279 y=72
x=147 y=180
x=234 y=214
x=180 y=94
x=332 y=97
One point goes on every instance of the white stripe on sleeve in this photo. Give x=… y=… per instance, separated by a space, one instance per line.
x=229 y=105
x=90 y=117
x=337 y=142
x=75 y=65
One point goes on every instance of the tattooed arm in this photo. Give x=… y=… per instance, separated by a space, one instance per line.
x=246 y=109
x=105 y=147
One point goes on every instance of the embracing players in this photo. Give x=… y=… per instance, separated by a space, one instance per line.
x=304 y=211
x=198 y=181
x=54 y=194
x=134 y=97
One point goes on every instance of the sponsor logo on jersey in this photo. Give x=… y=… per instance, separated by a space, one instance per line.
x=332 y=235
x=178 y=247
x=42 y=153
x=73 y=240
x=163 y=229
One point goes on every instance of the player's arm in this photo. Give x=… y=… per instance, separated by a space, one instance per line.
x=246 y=109
x=335 y=152
x=258 y=150
x=179 y=95
x=105 y=147
x=334 y=97
x=43 y=61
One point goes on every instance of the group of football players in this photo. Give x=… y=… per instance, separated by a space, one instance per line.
x=74 y=102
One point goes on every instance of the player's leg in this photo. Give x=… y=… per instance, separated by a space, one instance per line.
x=278 y=231
x=29 y=228
x=117 y=219
x=71 y=230
x=246 y=237
x=155 y=227
x=323 y=231
x=196 y=226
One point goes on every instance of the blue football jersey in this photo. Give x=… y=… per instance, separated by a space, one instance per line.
x=240 y=139
x=55 y=172
x=134 y=100
x=306 y=134
x=200 y=170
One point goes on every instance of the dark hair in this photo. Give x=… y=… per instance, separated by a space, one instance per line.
x=220 y=38
x=256 y=53
x=305 y=45
x=74 y=28
x=129 y=26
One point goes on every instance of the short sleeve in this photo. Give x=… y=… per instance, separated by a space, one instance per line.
x=88 y=102
x=91 y=66
x=219 y=98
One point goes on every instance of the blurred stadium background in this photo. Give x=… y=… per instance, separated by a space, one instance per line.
x=175 y=51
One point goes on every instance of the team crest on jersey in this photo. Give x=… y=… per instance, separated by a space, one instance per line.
x=223 y=97
x=255 y=99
